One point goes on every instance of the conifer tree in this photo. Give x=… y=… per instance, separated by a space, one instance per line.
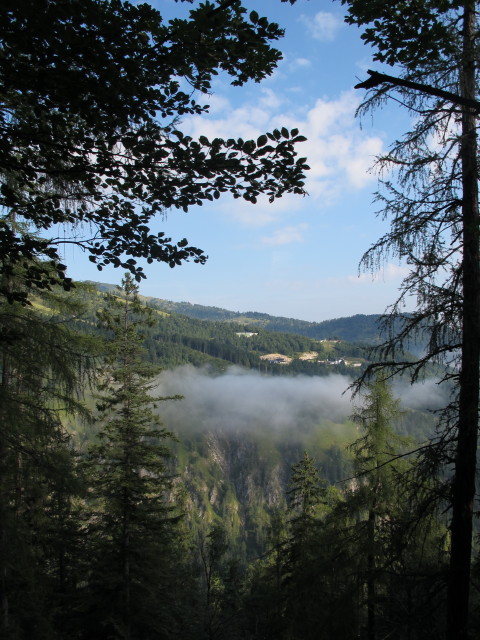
x=264 y=599
x=133 y=527
x=43 y=363
x=396 y=541
x=303 y=580
x=376 y=486
x=432 y=204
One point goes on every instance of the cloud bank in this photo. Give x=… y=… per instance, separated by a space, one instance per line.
x=242 y=400
x=424 y=396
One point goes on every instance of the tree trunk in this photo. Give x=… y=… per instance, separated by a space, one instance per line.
x=463 y=490
x=371 y=595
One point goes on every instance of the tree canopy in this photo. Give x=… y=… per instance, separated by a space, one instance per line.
x=91 y=98
x=432 y=203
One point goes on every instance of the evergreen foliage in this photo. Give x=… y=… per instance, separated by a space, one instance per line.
x=359 y=328
x=102 y=549
x=44 y=365
x=432 y=205
x=133 y=530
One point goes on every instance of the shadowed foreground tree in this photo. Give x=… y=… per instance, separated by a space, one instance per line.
x=303 y=583
x=137 y=546
x=432 y=205
x=43 y=368
x=92 y=94
x=375 y=493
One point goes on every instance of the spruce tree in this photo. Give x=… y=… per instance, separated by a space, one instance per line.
x=133 y=524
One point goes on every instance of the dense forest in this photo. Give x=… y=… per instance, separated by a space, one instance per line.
x=164 y=475
x=119 y=526
x=180 y=338
x=358 y=328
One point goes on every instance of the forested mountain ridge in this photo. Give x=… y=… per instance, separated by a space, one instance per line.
x=357 y=328
x=178 y=338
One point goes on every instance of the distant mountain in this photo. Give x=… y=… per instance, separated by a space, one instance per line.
x=359 y=328
x=177 y=338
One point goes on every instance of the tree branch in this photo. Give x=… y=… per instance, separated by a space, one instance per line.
x=377 y=79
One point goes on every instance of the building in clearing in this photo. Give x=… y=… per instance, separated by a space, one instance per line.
x=276 y=358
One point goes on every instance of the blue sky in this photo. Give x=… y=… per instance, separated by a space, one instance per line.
x=299 y=256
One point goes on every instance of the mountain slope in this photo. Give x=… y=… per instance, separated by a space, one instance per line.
x=357 y=328
x=251 y=342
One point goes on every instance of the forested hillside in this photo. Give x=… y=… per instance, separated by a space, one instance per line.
x=176 y=338
x=359 y=328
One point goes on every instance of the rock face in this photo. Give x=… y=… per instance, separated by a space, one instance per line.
x=239 y=478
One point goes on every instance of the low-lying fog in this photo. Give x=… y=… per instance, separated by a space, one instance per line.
x=242 y=399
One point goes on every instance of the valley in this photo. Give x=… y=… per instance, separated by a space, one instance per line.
x=254 y=398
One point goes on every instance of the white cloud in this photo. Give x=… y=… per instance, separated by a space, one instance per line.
x=287 y=235
x=442 y=138
x=300 y=62
x=264 y=212
x=395 y=271
x=245 y=400
x=426 y=395
x=270 y=100
x=388 y=273
x=338 y=152
x=218 y=103
x=243 y=122
x=358 y=162
x=324 y=26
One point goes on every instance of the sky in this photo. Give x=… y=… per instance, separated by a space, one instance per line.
x=298 y=257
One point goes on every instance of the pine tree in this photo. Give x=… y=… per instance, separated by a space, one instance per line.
x=133 y=526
